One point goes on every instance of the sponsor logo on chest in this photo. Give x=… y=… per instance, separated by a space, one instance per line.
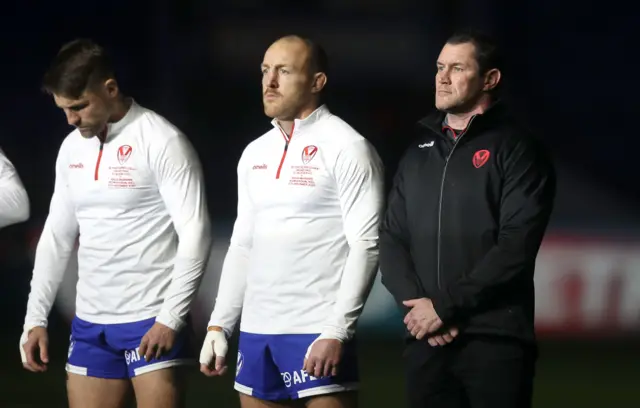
x=121 y=174
x=302 y=175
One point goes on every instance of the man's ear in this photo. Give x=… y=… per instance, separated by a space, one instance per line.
x=319 y=82
x=491 y=79
x=111 y=88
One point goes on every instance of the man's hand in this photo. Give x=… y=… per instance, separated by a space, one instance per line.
x=442 y=339
x=422 y=319
x=213 y=353
x=323 y=358
x=157 y=341
x=34 y=349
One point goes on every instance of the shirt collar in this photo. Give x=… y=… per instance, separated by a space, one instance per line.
x=114 y=129
x=300 y=124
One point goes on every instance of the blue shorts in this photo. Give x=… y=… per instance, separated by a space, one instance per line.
x=269 y=367
x=111 y=350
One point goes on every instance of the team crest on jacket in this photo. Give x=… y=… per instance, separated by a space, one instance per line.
x=308 y=153
x=124 y=152
x=480 y=158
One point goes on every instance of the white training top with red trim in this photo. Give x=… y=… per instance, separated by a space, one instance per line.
x=304 y=249
x=137 y=203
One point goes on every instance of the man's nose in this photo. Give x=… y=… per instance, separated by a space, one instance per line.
x=72 y=118
x=272 y=79
x=443 y=78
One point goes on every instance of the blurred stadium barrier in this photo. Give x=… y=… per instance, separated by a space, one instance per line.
x=585 y=288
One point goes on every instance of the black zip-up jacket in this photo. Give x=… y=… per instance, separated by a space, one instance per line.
x=465 y=220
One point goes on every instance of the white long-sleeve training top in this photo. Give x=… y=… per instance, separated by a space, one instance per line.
x=137 y=203
x=304 y=249
x=14 y=201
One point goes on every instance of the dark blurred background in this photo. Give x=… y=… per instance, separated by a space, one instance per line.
x=572 y=75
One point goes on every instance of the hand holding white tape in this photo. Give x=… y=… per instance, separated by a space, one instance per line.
x=214 y=350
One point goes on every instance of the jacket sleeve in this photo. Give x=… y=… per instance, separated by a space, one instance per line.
x=14 y=202
x=359 y=176
x=180 y=181
x=396 y=264
x=235 y=268
x=54 y=249
x=528 y=193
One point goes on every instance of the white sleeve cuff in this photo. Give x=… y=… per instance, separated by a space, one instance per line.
x=227 y=328
x=334 y=333
x=170 y=321
x=31 y=324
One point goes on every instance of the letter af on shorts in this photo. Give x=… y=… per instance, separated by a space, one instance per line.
x=269 y=367
x=111 y=350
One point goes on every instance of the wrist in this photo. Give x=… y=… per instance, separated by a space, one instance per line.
x=173 y=322
x=27 y=327
x=333 y=333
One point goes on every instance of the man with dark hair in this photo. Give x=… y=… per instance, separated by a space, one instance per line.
x=130 y=186
x=470 y=204
x=79 y=65
x=304 y=248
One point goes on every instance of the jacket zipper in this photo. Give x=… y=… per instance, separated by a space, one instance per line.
x=287 y=140
x=444 y=174
x=98 y=161
x=284 y=154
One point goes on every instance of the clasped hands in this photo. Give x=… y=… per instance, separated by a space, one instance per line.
x=423 y=321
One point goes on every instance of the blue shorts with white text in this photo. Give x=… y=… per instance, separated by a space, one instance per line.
x=269 y=367
x=111 y=350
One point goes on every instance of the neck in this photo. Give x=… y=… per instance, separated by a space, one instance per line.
x=287 y=125
x=120 y=109
x=460 y=120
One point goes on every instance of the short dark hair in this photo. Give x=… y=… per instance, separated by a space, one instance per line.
x=318 y=59
x=78 y=65
x=487 y=51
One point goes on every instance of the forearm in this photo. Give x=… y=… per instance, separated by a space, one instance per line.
x=357 y=279
x=397 y=270
x=51 y=262
x=14 y=204
x=506 y=263
x=231 y=289
x=189 y=266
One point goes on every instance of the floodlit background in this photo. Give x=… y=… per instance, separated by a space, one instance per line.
x=571 y=75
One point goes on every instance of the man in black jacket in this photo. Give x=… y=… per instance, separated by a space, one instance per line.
x=466 y=215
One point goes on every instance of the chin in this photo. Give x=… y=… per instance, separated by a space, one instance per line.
x=442 y=107
x=272 y=113
x=447 y=107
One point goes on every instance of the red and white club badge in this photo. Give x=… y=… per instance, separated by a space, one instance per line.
x=308 y=153
x=124 y=152
x=480 y=158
